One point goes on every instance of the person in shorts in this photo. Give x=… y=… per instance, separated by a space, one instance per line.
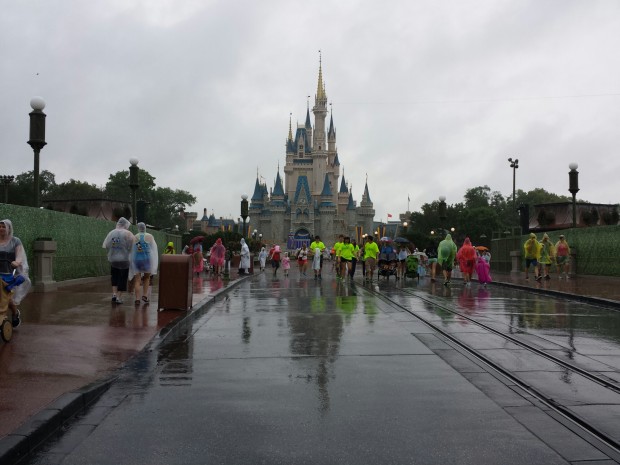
x=531 y=250
x=562 y=256
x=118 y=243
x=371 y=251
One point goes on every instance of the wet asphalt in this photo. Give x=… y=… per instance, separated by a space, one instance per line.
x=299 y=371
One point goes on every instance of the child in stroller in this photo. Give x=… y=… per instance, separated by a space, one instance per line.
x=387 y=264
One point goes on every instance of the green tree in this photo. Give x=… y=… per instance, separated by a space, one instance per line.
x=478 y=197
x=74 y=190
x=21 y=190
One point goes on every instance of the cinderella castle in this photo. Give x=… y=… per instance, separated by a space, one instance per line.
x=308 y=200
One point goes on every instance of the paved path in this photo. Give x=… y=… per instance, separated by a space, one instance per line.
x=74 y=337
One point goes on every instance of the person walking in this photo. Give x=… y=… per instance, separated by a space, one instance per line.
x=143 y=264
x=446 y=254
x=317 y=244
x=198 y=259
x=244 y=262
x=262 y=258
x=346 y=255
x=562 y=256
x=431 y=253
x=338 y=263
x=217 y=257
x=356 y=256
x=274 y=256
x=531 y=250
x=547 y=256
x=371 y=251
x=466 y=257
x=13 y=270
x=169 y=250
x=286 y=264
x=302 y=259
x=403 y=253
x=317 y=261
x=118 y=243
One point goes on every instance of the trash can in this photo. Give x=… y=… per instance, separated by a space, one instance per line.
x=175 y=282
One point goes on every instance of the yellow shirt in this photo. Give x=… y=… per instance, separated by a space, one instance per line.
x=337 y=247
x=346 y=251
x=371 y=250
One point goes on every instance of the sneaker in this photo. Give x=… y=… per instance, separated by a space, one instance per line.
x=145 y=299
x=547 y=277
x=113 y=299
x=560 y=277
x=118 y=301
x=538 y=278
x=16 y=321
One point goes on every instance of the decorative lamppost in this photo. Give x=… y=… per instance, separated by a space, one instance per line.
x=254 y=234
x=37 y=140
x=573 y=188
x=244 y=211
x=133 y=184
x=441 y=210
x=6 y=180
x=514 y=164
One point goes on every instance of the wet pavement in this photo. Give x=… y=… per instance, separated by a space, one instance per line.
x=283 y=371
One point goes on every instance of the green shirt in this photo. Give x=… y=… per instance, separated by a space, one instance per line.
x=337 y=247
x=346 y=251
x=316 y=245
x=371 y=250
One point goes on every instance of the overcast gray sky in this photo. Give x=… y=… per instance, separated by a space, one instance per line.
x=429 y=97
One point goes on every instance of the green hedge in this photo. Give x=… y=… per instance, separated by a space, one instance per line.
x=79 y=239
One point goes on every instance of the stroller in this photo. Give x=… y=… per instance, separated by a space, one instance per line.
x=387 y=265
x=412 y=270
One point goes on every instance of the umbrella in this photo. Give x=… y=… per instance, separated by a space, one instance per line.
x=401 y=240
x=481 y=248
x=420 y=254
x=385 y=239
x=196 y=239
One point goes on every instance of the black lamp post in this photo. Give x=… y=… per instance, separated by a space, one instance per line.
x=442 y=211
x=573 y=188
x=133 y=184
x=244 y=212
x=6 y=180
x=514 y=164
x=37 y=140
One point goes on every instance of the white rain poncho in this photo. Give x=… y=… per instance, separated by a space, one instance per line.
x=144 y=255
x=12 y=250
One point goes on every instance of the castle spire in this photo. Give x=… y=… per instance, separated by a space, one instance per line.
x=290 y=128
x=320 y=87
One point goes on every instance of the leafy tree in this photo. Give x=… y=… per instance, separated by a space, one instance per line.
x=478 y=197
x=164 y=204
x=74 y=190
x=21 y=190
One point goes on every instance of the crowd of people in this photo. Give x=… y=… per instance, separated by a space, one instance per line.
x=542 y=256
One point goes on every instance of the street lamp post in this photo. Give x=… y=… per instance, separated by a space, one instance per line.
x=6 y=180
x=573 y=188
x=37 y=140
x=514 y=164
x=244 y=211
x=133 y=184
x=442 y=210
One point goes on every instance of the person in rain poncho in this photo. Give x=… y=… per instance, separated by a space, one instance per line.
x=13 y=271
x=118 y=243
x=483 y=268
x=144 y=264
x=466 y=257
x=169 y=250
x=262 y=258
x=547 y=256
x=316 y=262
x=244 y=264
x=218 y=254
x=446 y=253
x=531 y=250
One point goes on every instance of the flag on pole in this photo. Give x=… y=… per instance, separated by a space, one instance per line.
x=389 y=215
